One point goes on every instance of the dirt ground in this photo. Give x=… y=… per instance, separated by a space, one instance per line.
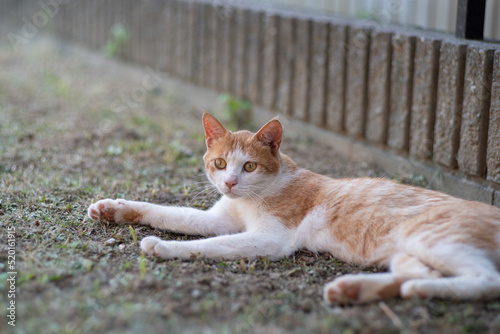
x=76 y=127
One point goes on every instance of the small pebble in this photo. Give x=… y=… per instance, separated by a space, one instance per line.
x=195 y=293
x=110 y=242
x=306 y=306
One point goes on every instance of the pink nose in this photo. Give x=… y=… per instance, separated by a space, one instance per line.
x=231 y=183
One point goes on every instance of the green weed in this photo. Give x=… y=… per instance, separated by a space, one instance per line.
x=132 y=232
x=237 y=110
x=57 y=84
x=119 y=37
x=142 y=266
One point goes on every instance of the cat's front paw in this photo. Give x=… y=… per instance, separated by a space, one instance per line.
x=154 y=246
x=342 y=291
x=114 y=211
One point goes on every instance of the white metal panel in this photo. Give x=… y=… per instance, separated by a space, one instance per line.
x=446 y=13
x=408 y=12
x=428 y=14
x=424 y=15
x=390 y=10
x=492 y=19
x=342 y=7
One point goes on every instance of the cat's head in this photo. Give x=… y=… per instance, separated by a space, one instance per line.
x=242 y=164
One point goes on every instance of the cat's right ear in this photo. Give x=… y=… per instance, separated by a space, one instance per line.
x=270 y=134
x=213 y=129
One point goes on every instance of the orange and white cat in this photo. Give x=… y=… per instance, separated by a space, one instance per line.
x=434 y=245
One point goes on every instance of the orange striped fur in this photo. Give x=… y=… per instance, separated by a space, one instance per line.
x=433 y=244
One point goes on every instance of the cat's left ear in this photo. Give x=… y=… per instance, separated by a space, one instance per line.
x=213 y=129
x=270 y=134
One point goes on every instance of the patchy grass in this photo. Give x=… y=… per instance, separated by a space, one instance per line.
x=62 y=148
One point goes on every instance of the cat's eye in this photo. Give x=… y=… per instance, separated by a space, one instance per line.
x=220 y=163
x=250 y=166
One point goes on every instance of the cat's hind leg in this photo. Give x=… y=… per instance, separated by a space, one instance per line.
x=362 y=288
x=484 y=287
x=470 y=277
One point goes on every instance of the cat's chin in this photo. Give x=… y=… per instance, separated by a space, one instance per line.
x=231 y=195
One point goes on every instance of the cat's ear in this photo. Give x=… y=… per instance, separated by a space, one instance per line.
x=270 y=134
x=213 y=129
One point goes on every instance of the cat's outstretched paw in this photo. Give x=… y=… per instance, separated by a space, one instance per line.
x=414 y=289
x=148 y=245
x=342 y=291
x=114 y=211
x=154 y=246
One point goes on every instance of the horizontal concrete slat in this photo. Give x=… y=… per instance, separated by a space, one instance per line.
x=239 y=58
x=125 y=19
x=198 y=40
x=286 y=53
x=208 y=51
x=226 y=35
x=269 y=60
x=423 y=108
x=207 y=47
x=221 y=44
x=319 y=62
x=379 y=79
x=182 y=47
x=449 y=103
x=403 y=53
x=336 y=76
x=151 y=12
x=358 y=53
x=496 y=199
x=475 y=111
x=493 y=149
x=301 y=70
x=135 y=30
x=254 y=66
x=167 y=37
x=94 y=30
x=110 y=18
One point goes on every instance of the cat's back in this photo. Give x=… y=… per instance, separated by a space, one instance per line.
x=388 y=196
x=379 y=201
x=353 y=201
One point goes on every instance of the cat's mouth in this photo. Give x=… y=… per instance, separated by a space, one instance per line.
x=231 y=193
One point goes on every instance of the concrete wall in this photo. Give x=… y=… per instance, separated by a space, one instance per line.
x=425 y=96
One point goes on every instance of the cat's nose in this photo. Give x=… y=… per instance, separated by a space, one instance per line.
x=231 y=183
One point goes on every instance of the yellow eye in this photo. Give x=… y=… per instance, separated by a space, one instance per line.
x=250 y=166
x=220 y=163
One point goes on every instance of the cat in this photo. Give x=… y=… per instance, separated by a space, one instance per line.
x=433 y=244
